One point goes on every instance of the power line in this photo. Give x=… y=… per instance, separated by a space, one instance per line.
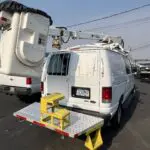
x=141 y=47
x=143 y=20
x=106 y=17
x=129 y=26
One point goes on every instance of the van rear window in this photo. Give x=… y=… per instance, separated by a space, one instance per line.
x=59 y=64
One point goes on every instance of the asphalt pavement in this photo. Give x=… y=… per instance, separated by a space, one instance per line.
x=133 y=135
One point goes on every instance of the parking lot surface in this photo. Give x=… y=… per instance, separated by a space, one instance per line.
x=133 y=135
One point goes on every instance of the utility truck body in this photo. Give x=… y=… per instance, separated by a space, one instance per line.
x=24 y=33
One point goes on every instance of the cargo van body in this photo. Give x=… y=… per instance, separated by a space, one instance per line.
x=93 y=79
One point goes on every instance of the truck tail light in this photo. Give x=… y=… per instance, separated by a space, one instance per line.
x=28 y=81
x=106 y=94
x=3 y=20
x=42 y=86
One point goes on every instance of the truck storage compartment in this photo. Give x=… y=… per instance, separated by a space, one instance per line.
x=23 y=40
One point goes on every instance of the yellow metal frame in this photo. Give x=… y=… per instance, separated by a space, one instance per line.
x=53 y=115
x=93 y=143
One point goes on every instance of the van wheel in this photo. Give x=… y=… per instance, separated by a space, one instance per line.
x=116 y=120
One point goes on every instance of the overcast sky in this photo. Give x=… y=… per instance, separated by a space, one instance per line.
x=135 y=32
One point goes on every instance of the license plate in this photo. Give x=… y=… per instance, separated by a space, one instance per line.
x=81 y=92
x=84 y=93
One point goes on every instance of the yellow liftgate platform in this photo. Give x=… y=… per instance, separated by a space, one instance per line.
x=72 y=124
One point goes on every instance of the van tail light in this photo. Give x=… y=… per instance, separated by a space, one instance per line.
x=28 y=81
x=106 y=94
x=42 y=86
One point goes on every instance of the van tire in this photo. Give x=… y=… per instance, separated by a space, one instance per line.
x=117 y=118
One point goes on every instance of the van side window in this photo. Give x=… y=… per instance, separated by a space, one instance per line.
x=127 y=65
x=59 y=64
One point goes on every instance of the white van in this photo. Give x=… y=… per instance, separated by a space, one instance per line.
x=95 y=79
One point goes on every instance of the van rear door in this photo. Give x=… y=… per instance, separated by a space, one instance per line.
x=57 y=74
x=84 y=89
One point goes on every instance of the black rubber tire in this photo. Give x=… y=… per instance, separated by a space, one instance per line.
x=117 y=118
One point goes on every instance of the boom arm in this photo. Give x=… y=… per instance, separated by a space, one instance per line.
x=58 y=34
x=61 y=31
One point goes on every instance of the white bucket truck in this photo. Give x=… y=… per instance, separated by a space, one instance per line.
x=24 y=33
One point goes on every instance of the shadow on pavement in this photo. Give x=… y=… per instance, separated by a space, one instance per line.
x=143 y=93
x=30 y=99
x=147 y=81
x=108 y=133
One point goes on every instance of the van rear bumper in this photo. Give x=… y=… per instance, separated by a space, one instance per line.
x=106 y=117
x=15 y=90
